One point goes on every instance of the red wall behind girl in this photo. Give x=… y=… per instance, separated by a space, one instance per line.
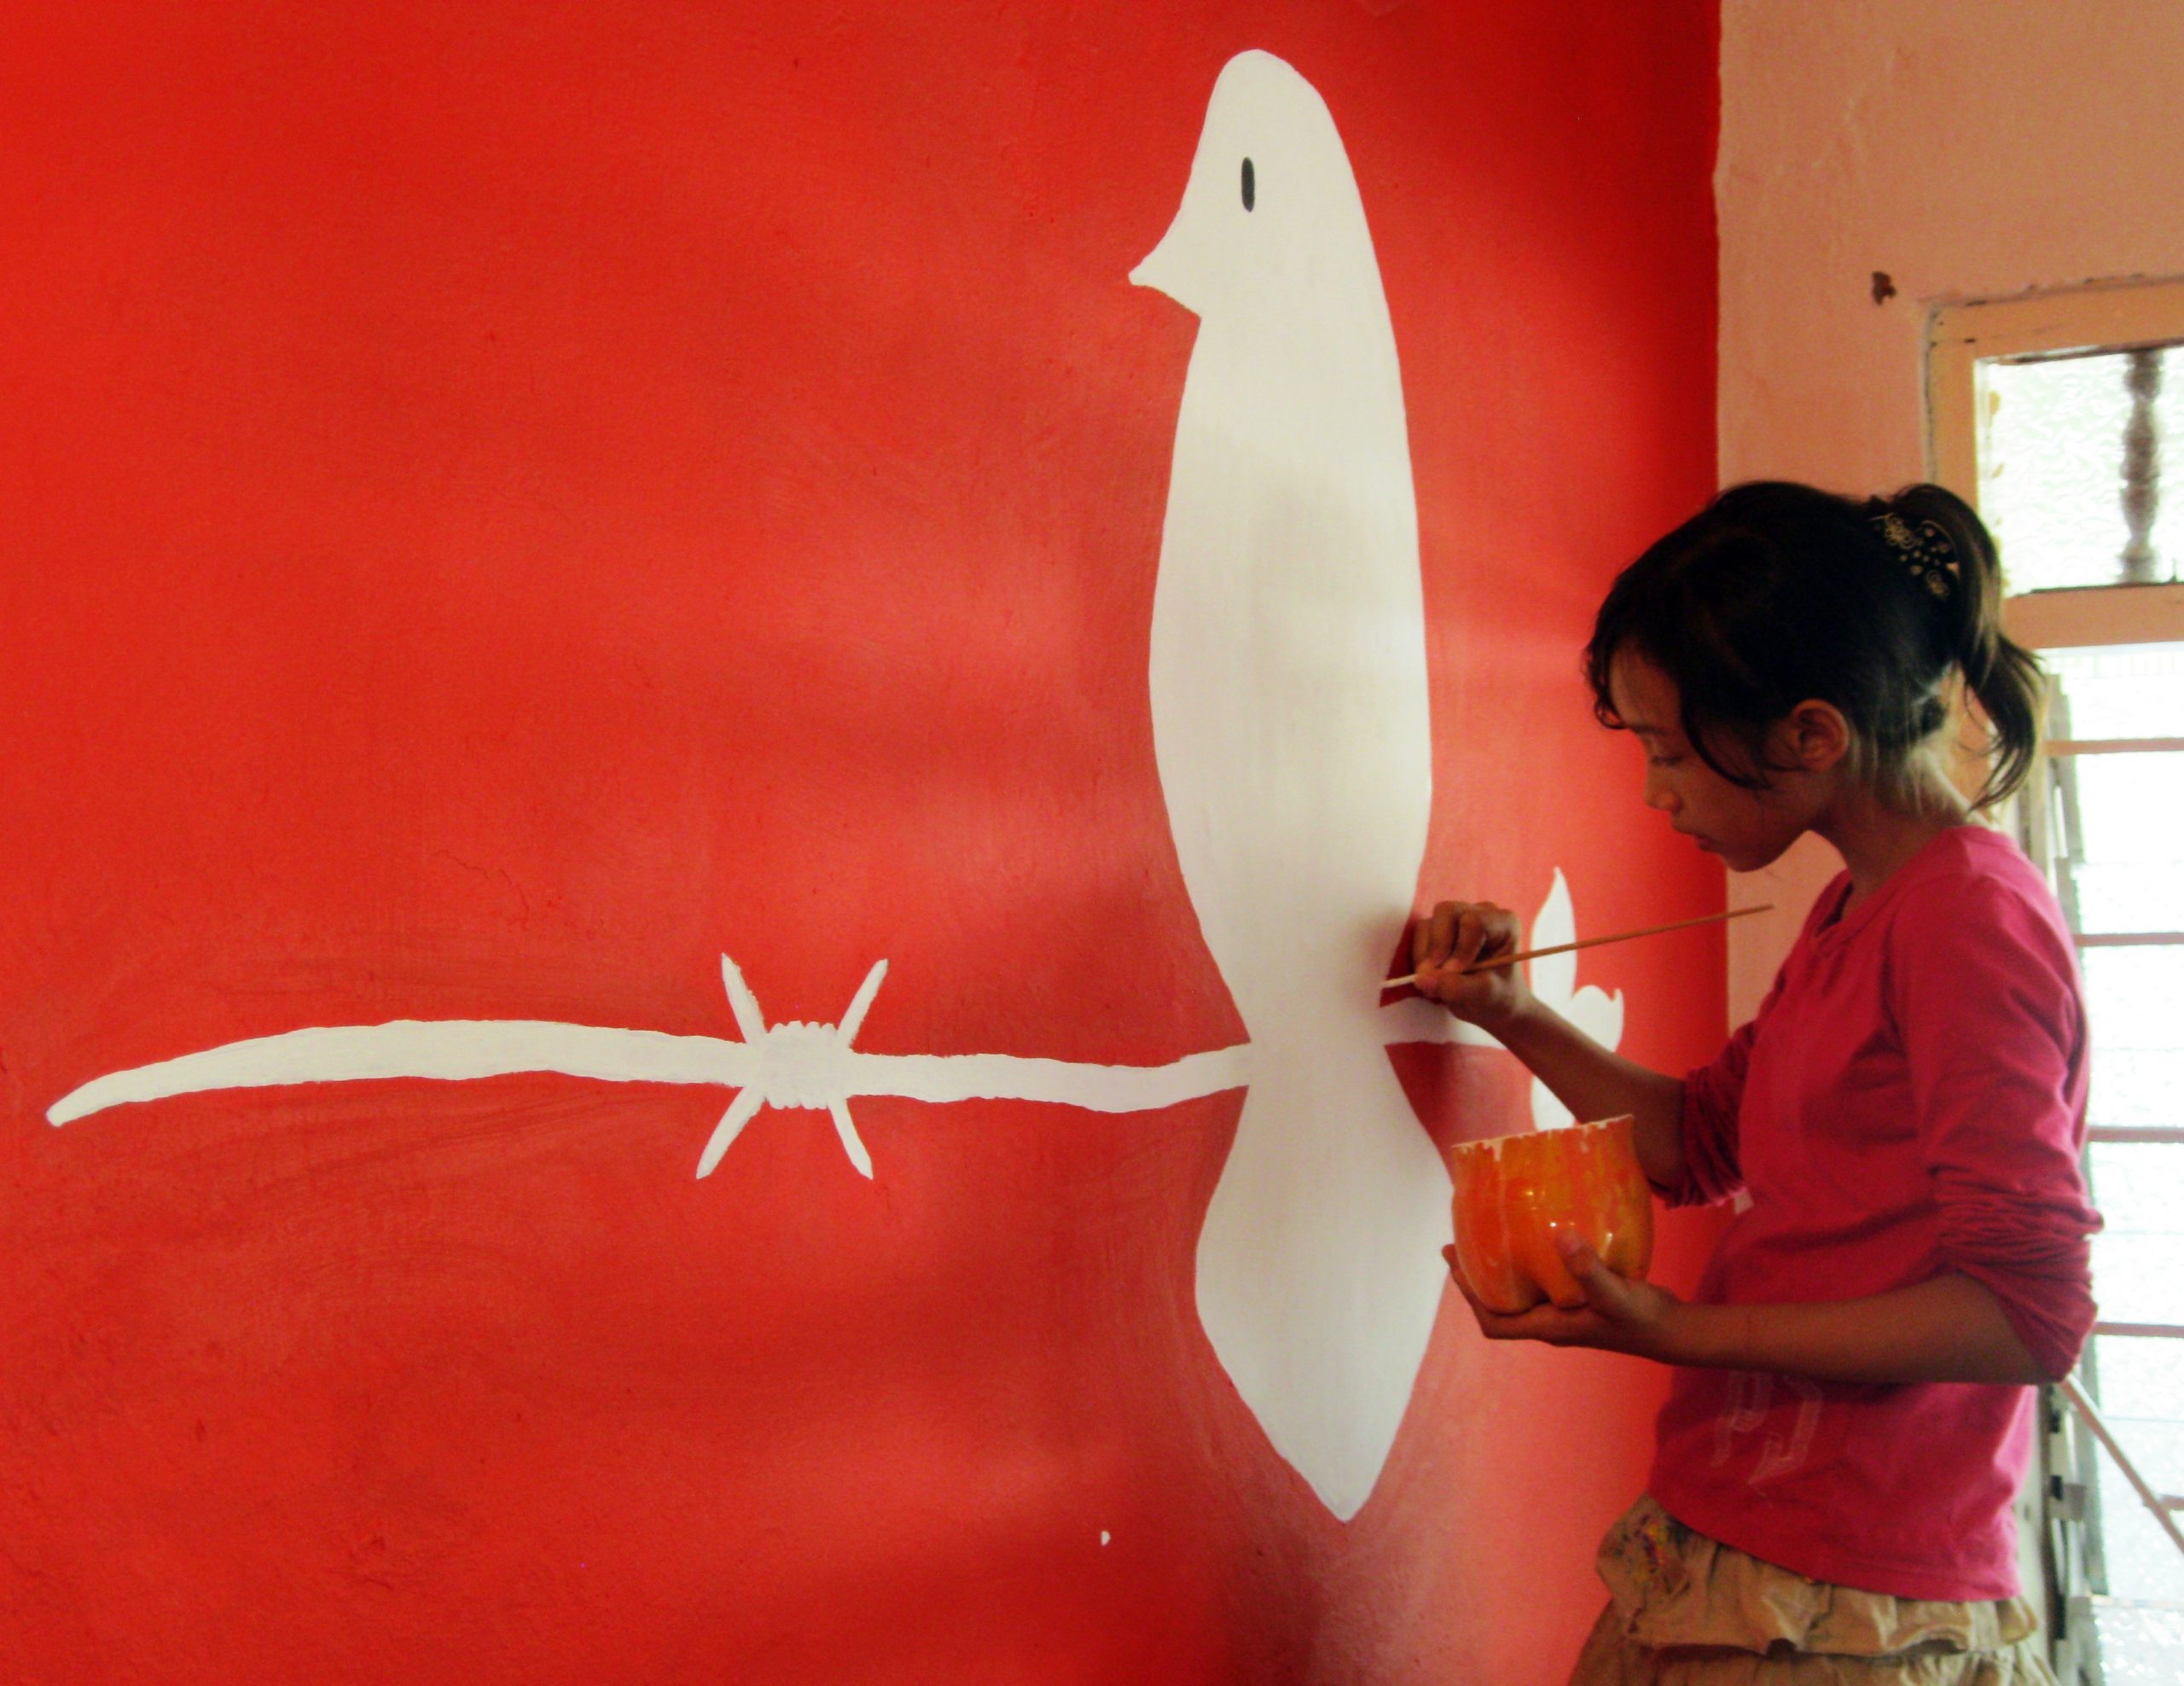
x=503 y=503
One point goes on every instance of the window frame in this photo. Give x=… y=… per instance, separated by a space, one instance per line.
x=2106 y=316
x=1962 y=337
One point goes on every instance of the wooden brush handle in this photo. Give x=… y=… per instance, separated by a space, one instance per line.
x=1501 y=960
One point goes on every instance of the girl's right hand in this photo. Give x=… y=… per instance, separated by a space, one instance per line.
x=1456 y=936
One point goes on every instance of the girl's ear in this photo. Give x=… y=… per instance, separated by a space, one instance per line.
x=1815 y=737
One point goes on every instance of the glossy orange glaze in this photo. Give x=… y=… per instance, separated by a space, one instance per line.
x=1515 y=1193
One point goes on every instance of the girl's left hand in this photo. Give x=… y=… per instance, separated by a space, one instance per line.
x=1618 y=1314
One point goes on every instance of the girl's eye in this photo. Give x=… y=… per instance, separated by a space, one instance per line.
x=1251 y=185
x=1665 y=760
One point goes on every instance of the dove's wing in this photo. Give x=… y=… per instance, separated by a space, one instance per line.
x=1599 y=1015
x=1554 y=981
x=1555 y=976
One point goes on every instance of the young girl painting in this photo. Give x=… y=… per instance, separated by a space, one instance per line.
x=1850 y=1418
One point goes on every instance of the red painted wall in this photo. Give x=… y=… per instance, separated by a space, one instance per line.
x=502 y=502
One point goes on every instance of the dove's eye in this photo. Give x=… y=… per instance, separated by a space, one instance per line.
x=1251 y=185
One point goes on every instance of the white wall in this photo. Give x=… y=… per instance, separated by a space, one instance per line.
x=1968 y=148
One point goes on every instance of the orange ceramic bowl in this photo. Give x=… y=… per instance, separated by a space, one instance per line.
x=1515 y=1193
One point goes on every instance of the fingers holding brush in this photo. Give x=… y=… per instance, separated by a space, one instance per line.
x=1454 y=939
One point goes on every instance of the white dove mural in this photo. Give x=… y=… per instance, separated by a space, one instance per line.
x=1294 y=748
x=1291 y=723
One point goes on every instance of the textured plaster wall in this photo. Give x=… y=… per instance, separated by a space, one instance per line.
x=1963 y=151
x=501 y=505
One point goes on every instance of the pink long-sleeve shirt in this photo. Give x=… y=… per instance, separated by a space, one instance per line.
x=1910 y=1099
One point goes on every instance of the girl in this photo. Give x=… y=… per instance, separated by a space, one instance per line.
x=1849 y=1419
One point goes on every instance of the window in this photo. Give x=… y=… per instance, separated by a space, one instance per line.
x=2055 y=415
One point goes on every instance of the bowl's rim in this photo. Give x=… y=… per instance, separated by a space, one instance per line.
x=1527 y=1134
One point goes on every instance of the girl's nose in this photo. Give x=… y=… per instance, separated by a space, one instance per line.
x=1658 y=793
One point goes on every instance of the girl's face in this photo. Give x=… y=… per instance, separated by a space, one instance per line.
x=1747 y=829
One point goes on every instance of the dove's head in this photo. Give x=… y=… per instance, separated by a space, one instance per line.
x=1270 y=218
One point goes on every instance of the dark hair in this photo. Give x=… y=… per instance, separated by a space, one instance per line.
x=1777 y=593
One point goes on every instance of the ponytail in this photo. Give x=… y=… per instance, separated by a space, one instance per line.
x=2004 y=677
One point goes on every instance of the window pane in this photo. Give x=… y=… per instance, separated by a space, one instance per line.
x=2125 y=690
x=2138 y=1271
x=2142 y=1401
x=2134 y=997
x=2141 y=1645
x=2130 y=873
x=2115 y=896
x=2156 y=1444
x=2142 y=1088
x=2142 y=1563
x=2133 y=1273
x=2143 y=1377
x=2135 y=1184
x=2051 y=476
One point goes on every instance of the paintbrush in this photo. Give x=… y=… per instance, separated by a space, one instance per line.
x=1500 y=960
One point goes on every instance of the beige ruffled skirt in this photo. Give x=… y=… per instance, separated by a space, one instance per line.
x=1686 y=1610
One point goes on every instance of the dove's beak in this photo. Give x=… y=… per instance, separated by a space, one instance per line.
x=1147 y=273
x=1159 y=269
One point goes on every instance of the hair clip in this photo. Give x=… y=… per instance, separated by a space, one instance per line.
x=1926 y=550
